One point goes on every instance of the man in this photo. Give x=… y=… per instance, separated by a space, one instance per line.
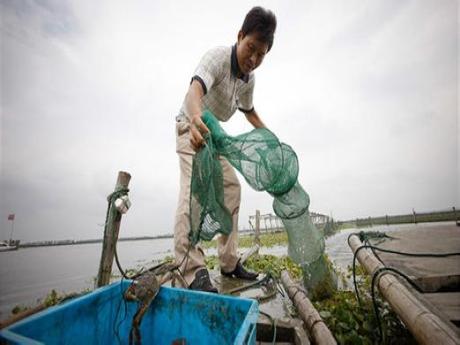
x=223 y=82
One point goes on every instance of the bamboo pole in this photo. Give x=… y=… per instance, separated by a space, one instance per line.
x=111 y=234
x=426 y=327
x=321 y=335
x=257 y=229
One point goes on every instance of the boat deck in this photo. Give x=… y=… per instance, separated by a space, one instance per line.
x=273 y=306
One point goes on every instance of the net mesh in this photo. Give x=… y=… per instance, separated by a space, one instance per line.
x=267 y=165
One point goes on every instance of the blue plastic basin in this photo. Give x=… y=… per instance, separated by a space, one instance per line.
x=103 y=317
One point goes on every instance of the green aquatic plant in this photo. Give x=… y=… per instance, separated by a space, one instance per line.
x=19 y=308
x=326 y=285
x=274 y=265
x=352 y=323
x=52 y=298
x=268 y=240
x=264 y=264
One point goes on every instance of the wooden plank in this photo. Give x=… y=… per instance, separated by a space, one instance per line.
x=433 y=238
x=439 y=283
x=447 y=302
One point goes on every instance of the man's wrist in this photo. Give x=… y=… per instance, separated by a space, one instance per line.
x=195 y=118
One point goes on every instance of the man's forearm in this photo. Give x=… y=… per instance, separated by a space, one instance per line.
x=193 y=110
x=193 y=100
x=255 y=120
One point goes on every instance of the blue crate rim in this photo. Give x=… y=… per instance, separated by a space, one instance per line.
x=248 y=322
x=91 y=295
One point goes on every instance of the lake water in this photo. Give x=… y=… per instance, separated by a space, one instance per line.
x=30 y=274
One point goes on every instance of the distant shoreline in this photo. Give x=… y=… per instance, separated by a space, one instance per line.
x=97 y=240
x=51 y=243
x=425 y=217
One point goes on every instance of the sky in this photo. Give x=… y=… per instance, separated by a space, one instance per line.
x=366 y=92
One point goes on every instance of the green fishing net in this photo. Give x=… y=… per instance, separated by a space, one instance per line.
x=267 y=165
x=208 y=214
x=305 y=242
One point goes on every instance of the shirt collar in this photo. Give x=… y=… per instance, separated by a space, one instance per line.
x=236 y=72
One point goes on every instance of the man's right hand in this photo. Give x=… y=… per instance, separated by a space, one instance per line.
x=197 y=130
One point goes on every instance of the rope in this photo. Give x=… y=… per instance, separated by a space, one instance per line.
x=123 y=273
x=262 y=281
x=186 y=263
x=375 y=278
x=111 y=198
x=377 y=274
x=266 y=297
x=433 y=255
x=298 y=289
x=273 y=322
x=280 y=289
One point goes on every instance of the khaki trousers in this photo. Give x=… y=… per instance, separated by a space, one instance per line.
x=227 y=244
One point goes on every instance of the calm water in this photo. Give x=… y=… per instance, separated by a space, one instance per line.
x=31 y=273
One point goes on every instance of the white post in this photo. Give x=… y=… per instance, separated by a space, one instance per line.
x=12 y=230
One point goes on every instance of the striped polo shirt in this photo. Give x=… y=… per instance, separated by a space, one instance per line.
x=226 y=89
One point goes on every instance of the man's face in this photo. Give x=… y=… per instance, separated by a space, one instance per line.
x=250 y=52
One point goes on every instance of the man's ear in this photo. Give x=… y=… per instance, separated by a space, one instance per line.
x=240 y=36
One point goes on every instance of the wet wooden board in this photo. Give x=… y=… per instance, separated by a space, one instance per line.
x=438 y=278
x=447 y=302
x=438 y=283
x=424 y=239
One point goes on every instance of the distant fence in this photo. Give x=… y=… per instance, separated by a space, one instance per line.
x=414 y=217
x=330 y=226
x=272 y=223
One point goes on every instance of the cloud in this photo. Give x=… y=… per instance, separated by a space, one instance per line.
x=366 y=93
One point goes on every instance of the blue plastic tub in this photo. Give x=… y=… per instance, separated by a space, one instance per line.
x=103 y=317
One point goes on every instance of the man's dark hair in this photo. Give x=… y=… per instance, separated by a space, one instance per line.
x=261 y=21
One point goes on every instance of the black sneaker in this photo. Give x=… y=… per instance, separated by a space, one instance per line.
x=240 y=272
x=202 y=282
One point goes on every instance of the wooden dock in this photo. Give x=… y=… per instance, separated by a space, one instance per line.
x=433 y=312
